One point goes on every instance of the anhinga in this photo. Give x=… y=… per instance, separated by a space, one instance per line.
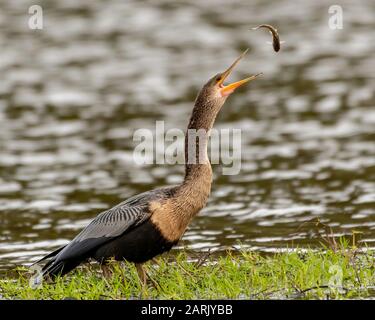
x=150 y=223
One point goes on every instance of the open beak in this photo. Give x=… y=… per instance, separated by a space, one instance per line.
x=228 y=89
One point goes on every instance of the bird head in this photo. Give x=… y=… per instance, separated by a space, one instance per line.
x=216 y=92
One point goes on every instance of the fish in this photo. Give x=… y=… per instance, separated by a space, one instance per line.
x=276 y=43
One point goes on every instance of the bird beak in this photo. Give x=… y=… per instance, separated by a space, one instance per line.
x=228 y=89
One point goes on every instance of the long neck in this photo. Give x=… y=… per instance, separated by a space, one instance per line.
x=196 y=138
x=192 y=194
x=194 y=191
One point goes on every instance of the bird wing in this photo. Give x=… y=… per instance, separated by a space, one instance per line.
x=114 y=222
x=111 y=224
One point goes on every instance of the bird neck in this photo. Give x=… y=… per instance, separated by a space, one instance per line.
x=196 y=140
x=192 y=195
x=196 y=187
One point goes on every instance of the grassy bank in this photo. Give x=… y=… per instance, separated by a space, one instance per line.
x=311 y=274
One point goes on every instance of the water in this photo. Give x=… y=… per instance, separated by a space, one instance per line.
x=72 y=95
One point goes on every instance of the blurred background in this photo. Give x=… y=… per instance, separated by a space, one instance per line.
x=73 y=93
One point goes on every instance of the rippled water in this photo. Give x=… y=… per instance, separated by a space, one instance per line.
x=72 y=95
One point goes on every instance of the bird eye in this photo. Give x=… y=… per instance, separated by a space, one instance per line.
x=218 y=78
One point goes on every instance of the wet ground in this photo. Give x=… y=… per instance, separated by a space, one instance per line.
x=72 y=95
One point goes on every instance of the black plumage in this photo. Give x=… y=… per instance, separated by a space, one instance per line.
x=106 y=235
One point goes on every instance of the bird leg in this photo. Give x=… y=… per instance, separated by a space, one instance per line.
x=107 y=270
x=141 y=274
x=143 y=277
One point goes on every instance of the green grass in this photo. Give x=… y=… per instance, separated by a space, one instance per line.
x=301 y=274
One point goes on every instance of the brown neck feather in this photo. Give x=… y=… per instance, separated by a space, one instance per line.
x=193 y=193
x=197 y=136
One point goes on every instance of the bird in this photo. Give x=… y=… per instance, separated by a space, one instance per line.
x=151 y=223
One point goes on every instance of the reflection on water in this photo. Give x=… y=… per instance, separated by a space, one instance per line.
x=72 y=95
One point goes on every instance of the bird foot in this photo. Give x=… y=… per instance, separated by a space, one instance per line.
x=143 y=277
x=107 y=271
x=141 y=274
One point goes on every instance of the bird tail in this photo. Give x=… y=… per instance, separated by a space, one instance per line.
x=55 y=266
x=48 y=256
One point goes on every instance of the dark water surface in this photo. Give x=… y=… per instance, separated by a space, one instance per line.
x=72 y=95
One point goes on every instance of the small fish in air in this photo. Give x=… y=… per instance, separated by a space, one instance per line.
x=275 y=35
